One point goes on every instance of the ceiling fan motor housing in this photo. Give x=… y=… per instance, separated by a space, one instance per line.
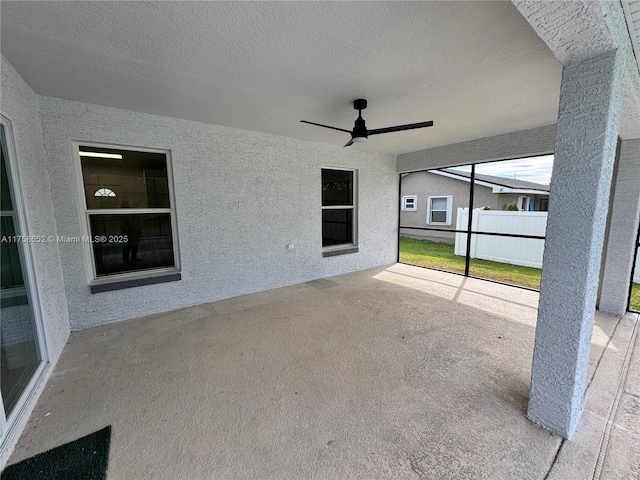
x=360 y=104
x=359 y=130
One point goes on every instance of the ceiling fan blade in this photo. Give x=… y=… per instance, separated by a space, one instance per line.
x=399 y=128
x=349 y=143
x=327 y=126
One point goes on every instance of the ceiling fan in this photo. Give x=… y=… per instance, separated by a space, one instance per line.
x=360 y=132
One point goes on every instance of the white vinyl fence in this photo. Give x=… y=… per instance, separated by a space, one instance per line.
x=517 y=251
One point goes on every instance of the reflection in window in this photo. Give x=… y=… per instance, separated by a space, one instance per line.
x=337 y=227
x=338 y=216
x=130 y=243
x=138 y=180
x=137 y=183
x=104 y=192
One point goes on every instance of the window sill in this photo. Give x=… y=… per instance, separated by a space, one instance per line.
x=134 y=282
x=340 y=251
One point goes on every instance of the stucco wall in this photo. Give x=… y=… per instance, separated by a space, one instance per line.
x=241 y=197
x=20 y=105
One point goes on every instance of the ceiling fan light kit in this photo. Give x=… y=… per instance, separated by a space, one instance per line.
x=360 y=133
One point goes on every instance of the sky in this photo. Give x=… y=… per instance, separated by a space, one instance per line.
x=532 y=169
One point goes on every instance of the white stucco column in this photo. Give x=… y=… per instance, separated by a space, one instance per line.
x=588 y=119
x=623 y=228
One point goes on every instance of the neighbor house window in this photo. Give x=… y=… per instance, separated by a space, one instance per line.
x=439 y=210
x=525 y=204
x=544 y=205
x=410 y=202
x=129 y=211
x=338 y=207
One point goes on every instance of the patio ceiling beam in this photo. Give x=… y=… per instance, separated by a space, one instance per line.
x=520 y=144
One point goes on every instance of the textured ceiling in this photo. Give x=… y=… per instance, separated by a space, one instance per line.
x=474 y=68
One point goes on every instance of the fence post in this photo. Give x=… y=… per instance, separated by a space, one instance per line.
x=459 y=244
x=474 y=238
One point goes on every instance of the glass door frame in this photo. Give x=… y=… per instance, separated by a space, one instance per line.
x=31 y=287
x=633 y=270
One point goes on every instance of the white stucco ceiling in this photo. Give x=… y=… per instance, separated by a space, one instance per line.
x=474 y=68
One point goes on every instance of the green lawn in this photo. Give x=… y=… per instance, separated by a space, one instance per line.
x=430 y=254
x=635 y=297
x=440 y=255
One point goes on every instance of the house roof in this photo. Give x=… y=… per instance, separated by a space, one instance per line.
x=476 y=69
x=510 y=183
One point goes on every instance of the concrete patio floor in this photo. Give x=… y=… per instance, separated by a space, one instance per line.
x=395 y=372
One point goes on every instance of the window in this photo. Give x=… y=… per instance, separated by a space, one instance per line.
x=544 y=205
x=338 y=208
x=129 y=213
x=105 y=192
x=439 y=210
x=410 y=202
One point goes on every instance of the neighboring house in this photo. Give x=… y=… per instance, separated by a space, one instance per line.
x=430 y=199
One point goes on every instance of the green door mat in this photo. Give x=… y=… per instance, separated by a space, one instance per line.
x=83 y=459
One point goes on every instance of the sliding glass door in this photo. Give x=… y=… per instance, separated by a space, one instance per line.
x=22 y=352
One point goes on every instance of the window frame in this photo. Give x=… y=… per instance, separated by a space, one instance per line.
x=448 y=211
x=347 y=247
x=8 y=423
x=85 y=213
x=415 y=203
